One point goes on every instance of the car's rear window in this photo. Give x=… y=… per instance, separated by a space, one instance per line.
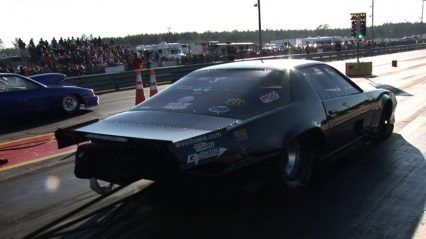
x=235 y=93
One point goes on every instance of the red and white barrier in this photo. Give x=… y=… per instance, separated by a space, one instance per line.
x=140 y=95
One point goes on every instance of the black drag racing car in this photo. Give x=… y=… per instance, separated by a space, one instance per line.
x=217 y=119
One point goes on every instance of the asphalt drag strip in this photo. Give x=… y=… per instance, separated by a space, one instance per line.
x=30 y=150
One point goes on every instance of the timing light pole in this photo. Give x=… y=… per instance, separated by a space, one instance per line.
x=372 y=22
x=260 y=26
x=421 y=23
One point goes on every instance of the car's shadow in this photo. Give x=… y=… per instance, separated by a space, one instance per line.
x=393 y=89
x=37 y=120
x=376 y=192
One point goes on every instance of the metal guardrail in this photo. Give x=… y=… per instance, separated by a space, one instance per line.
x=349 y=54
x=164 y=75
x=127 y=79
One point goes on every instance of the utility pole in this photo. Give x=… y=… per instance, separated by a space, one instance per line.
x=260 y=26
x=421 y=23
x=372 y=22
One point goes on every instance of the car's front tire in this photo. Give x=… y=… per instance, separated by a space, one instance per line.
x=297 y=162
x=70 y=104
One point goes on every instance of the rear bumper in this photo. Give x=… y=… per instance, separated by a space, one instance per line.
x=121 y=164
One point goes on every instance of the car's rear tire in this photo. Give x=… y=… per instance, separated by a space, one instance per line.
x=385 y=128
x=297 y=162
x=70 y=104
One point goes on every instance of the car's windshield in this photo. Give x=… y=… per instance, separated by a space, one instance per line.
x=235 y=93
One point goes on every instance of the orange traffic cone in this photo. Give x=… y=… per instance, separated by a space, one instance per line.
x=153 y=83
x=140 y=95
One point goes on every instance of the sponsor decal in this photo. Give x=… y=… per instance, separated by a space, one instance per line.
x=199 y=90
x=203 y=146
x=106 y=137
x=184 y=87
x=216 y=79
x=268 y=98
x=236 y=102
x=177 y=106
x=219 y=109
x=214 y=152
x=186 y=99
x=241 y=135
x=204 y=78
x=212 y=80
x=198 y=140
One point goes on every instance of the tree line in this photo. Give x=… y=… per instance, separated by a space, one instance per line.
x=385 y=31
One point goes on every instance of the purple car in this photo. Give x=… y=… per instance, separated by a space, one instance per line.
x=20 y=96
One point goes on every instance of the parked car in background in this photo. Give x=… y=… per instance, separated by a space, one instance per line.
x=291 y=114
x=21 y=96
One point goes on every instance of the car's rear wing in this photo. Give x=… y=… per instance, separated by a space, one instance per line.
x=68 y=136
x=71 y=136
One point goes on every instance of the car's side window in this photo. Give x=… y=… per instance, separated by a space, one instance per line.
x=3 y=84
x=29 y=85
x=327 y=82
x=14 y=83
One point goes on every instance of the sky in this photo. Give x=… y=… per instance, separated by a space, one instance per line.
x=46 y=19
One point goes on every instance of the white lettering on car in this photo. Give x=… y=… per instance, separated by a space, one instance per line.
x=203 y=146
x=197 y=157
x=198 y=140
x=177 y=106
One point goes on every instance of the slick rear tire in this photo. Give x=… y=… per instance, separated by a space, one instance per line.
x=384 y=129
x=296 y=164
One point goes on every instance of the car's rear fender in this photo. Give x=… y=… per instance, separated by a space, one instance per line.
x=387 y=104
x=312 y=129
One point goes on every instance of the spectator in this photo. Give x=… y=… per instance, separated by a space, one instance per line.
x=137 y=62
x=307 y=48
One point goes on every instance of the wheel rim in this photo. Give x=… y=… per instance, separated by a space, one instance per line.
x=292 y=166
x=70 y=103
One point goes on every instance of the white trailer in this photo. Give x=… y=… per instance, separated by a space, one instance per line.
x=165 y=51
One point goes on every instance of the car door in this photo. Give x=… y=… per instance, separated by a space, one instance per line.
x=345 y=104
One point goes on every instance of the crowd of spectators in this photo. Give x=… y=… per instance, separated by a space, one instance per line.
x=72 y=57
x=76 y=56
